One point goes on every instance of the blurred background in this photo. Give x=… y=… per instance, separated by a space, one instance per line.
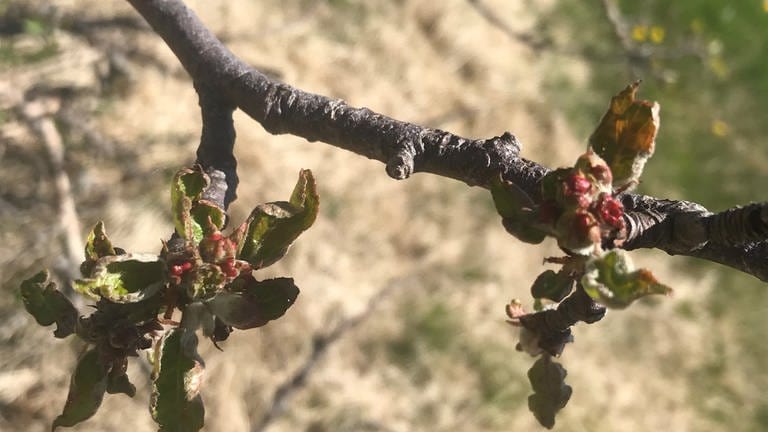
x=400 y=323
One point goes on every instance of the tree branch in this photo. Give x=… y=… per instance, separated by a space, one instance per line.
x=677 y=227
x=38 y=114
x=321 y=343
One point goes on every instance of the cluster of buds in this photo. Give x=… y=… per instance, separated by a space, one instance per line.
x=579 y=207
x=221 y=251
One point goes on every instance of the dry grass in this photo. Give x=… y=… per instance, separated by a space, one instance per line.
x=436 y=355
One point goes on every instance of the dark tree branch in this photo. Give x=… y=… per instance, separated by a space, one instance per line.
x=677 y=227
x=217 y=143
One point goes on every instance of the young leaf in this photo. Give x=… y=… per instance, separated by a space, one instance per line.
x=612 y=280
x=206 y=216
x=272 y=227
x=48 y=305
x=187 y=186
x=626 y=136
x=550 y=392
x=97 y=245
x=258 y=303
x=86 y=390
x=125 y=278
x=176 y=404
x=516 y=210
x=552 y=286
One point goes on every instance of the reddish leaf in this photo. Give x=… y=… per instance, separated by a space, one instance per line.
x=626 y=135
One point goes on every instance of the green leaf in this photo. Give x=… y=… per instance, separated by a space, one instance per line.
x=176 y=404
x=509 y=198
x=86 y=390
x=188 y=184
x=198 y=316
x=207 y=216
x=128 y=278
x=272 y=227
x=552 y=286
x=98 y=245
x=48 y=305
x=551 y=184
x=550 y=392
x=626 y=136
x=516 y=210
x=258 y=303
x=612 y=280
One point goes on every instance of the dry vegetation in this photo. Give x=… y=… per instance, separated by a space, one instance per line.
x=435 y=353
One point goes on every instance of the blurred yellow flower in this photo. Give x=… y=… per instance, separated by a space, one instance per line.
x=718 y=67
x=640 y=32
x=765 y=5
x=720 y=128
x=658 y=33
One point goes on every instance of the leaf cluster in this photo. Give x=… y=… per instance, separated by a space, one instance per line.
x=580 y=206
x=206 y=276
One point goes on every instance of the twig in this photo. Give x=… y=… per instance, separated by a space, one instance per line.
x=320 y=346
x=535 y=44
x=37 y=113
x=638 y=57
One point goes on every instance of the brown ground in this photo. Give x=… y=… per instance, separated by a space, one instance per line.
x=435 y=353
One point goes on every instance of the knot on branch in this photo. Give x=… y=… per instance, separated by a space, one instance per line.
x=739 y=225
x=400 y=165
x=501 y=150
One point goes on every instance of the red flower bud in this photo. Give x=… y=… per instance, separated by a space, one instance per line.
x=177 y=269
x=228 y=267
x=610 y=211
x=180 y=268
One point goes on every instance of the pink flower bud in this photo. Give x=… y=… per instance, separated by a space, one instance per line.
x=576 y=184
x=610 y=211
x=228 y=267
x=177 y=269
